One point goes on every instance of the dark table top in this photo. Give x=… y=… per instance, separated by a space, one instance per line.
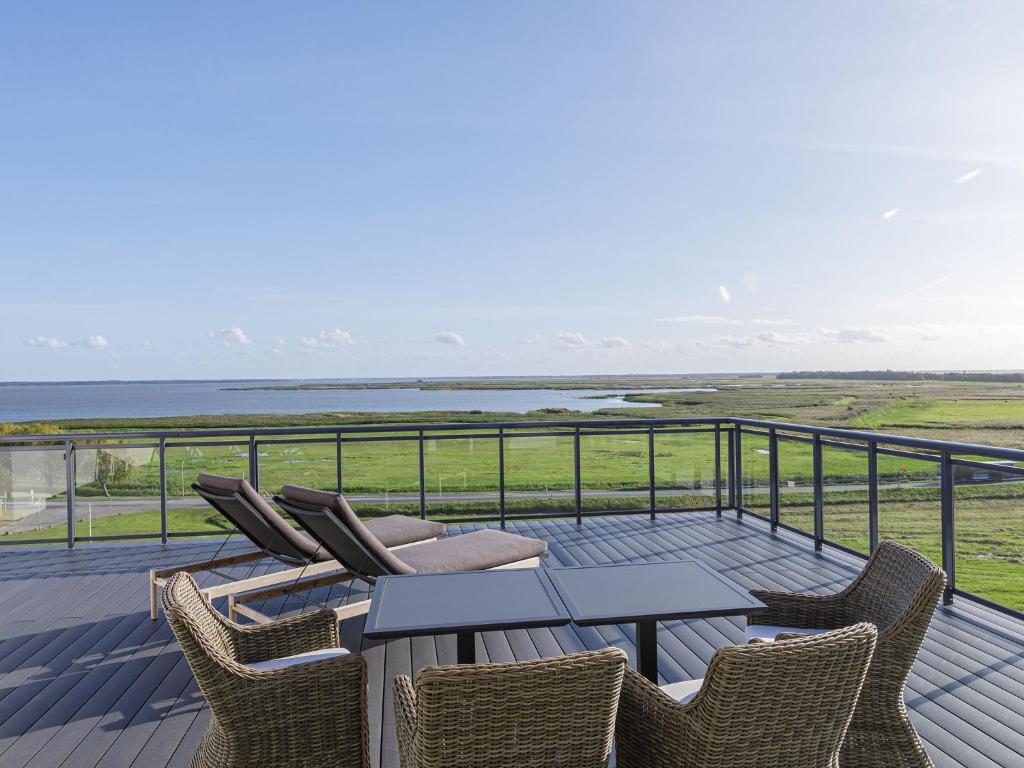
x=433 y=604
x=629 y=592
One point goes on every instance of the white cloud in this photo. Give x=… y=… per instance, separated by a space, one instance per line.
x=450 y=337
x=572 y=340
x=762 y=339
x=231 y=337
x=278 y=347
x=969 y=176
x=723 y=292
x=699 y=319
x=95 y=342
x=657 y=344
x=855 y=336
x=891 y=213
x=614 y=342
x=782 y=321
x=326 y=339
x=49 y=342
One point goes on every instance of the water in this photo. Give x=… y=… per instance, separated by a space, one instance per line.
x=45 y=402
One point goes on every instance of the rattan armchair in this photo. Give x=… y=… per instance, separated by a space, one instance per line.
x=897 y=591
x=785 y=704
x=548 y=713
x=282 y=694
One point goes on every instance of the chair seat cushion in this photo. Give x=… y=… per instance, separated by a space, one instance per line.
x=398 y=530
x=769 y=632
x=476 y=551
x=300 y=658
x=684 y=691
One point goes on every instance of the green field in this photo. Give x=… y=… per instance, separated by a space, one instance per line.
x=384 y=475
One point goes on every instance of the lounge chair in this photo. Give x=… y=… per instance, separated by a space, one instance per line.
x=282 y=694
x=329 y=521
x=548 y=712
x=765 y=704
x=897 y=591
x=275 y=538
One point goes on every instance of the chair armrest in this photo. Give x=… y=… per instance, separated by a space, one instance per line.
x=652 y=730
x=405 y=719
x=788 y=609
x=287 y=637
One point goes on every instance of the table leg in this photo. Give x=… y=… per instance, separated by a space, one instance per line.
x=647 y=650
x=465 y=647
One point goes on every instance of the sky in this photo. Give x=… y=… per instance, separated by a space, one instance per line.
x=326 y=189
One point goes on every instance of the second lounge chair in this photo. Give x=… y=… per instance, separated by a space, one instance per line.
x=329 y=520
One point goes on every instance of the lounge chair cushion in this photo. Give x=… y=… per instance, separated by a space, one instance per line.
x=300 y=658
x=685 y=691
x=768 y=632
x=399 y=530
x=292 y=537
x=475 y=551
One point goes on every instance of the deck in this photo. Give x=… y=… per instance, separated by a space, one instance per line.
x=86 y=679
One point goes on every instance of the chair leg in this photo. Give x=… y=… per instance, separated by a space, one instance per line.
x=153 y=588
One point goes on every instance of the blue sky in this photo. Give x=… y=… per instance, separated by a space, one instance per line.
x=333 y=189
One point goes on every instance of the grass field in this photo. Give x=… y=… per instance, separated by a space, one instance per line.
x=990 y=534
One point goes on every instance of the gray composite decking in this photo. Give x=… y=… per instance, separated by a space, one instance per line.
x=86 y=679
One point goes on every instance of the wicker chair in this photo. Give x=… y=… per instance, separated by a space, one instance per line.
x=784 y=704
x=282 y=694
x=897 y=591
x=549 y=713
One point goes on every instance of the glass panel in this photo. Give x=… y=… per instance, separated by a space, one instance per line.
x=796 y=484
x=616 y=464
x=304 y=462
x=845 y=476
x=989 y=508
x=187 y=512
x=117 y=490
x=539 y=475
x=910 y=504
x=461 y=477
x=754 y=466
x=383 y=477
x=684 y=470
x=32 y=495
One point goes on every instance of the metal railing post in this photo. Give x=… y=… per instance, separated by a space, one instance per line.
x=69 y=469
x=737 y=457
x=948 y=528
x=578 y=487
x=873 y=495
x=819 y=495
x=730 y=448
x=501 y=476
x=718 y=470
x=423 y=481
x=254 y=462
x=163 y=490
x=773 y=479
x=338 y=459
x=650 y=471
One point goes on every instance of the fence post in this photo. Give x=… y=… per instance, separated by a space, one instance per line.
x=731 y=474
x=650 y=471
x=501 y=476
x=819 y=496
x=69 y=469
x=737 y=458
x=254 y=463
x=163 y=490
x=337 y=458
x=873 y=495
x=576 y=476
x=718 y=470
x=773 y=479
x=423 y=482
x=948 y=528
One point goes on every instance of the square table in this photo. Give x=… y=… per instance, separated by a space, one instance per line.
x=463 y=603
x=646 y=593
